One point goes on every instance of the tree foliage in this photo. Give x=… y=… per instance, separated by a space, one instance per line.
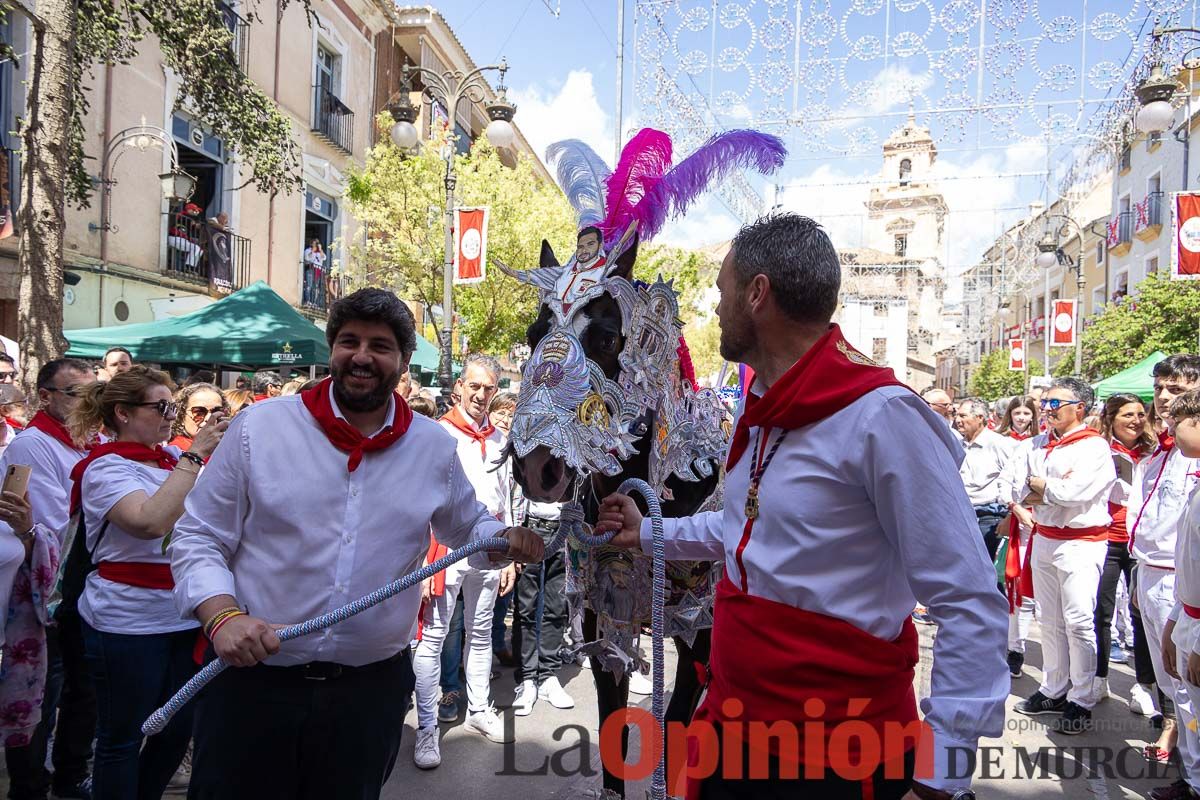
x=196 y=43
x=694 y=273
x=992 y=379
x=1162 y=315
x=401 y=200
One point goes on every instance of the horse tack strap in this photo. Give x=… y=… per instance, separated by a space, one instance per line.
x=751 y=509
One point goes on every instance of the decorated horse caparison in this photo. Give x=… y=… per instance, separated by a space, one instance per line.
x=609 y=394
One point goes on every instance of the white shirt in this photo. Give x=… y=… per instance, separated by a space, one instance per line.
x=1157 y=502
x=117 y=607
x=278 y=521
x=984 y=460
x=49 y=496
x=861 y=515
x=480 y=464
x=1079 y=479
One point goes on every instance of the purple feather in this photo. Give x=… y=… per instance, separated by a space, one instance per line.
x=581 y=174
x=712 y=162
x=644 y=160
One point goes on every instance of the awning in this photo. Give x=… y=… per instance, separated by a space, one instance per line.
x=251 y=328
x=1133 y=380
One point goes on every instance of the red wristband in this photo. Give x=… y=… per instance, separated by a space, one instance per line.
x=212 y=636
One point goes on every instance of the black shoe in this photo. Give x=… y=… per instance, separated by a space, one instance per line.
x=80 y=791
x=1179 y=790
x=1075 y=720
x=1038 y=704
x=1015 y=662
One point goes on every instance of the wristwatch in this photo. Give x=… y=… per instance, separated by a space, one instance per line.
x=963 y=794
x=27 y=536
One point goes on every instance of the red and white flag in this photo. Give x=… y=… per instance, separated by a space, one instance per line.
x=1062 y=328
x=470 y=244
x=1185 y=255
x=1016 y=354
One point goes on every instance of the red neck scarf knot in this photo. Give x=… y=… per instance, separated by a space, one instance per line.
x=1071 y=438
x=826 y=379
x=134 y=451
x=455 y=419
x=346 y=437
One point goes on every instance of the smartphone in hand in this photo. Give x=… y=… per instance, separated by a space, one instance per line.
x=16 y=479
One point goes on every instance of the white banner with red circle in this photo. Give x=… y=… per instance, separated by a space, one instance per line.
x=470 y=245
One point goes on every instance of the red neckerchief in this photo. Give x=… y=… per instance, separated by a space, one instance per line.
x=456 y=420
x=134 y=451
x=346 y=437
x=1020 y=437
x=1078 y=436
x=54 y=429
x=260 y=397
x=826 y=379
x=1135 y=454
x=15 y=424
x=1166 y=443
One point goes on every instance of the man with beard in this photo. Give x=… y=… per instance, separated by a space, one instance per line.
x=587 y=270
x=316 y=500
x=843 y=506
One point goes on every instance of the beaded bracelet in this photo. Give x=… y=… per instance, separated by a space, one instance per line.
x=223 y=620
x=217 y=617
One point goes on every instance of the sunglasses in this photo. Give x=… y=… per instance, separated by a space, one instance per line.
x=200 y=413
x=166 y=408
x=1055 y=404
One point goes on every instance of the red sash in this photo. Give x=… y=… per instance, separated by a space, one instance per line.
x=54 y=429
x=455 y=419
x=346 y=437
x=776 y=658
x=1018 y=572
x=134 y=451
x=140 y=574
x=1095 y=533
x=826 y=379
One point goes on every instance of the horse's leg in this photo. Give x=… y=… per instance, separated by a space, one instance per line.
x=611 y=696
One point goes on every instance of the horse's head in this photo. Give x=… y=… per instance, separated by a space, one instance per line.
x=602 y=397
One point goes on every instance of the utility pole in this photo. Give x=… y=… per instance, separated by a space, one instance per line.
x=618 y=135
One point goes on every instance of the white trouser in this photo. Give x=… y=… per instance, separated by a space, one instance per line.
x=1066 y=579
x=1021 y=618
x=479 y=588
x=189 y=248
x=1156 y=598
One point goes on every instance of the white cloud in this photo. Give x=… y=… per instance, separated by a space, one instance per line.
x=569 y=111
x=707 y=222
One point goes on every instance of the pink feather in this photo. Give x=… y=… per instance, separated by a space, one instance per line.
x=644 y=160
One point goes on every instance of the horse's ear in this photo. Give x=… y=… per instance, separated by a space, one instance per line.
x=626 y=259
x=548 y=258
x=539 y=327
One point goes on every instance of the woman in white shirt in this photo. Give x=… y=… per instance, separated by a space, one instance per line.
x=131 y=492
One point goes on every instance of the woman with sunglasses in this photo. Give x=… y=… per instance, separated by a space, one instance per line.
x=198 y=403
x=130 y=492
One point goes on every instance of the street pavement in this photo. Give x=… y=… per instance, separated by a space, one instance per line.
x=555 y=756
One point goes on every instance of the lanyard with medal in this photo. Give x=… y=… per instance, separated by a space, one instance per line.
x=751 y=509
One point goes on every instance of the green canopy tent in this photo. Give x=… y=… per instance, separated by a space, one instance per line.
x=251 y=328
x=1134 y=380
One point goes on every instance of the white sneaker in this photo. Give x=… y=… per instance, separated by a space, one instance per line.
x=487 y=723
x=553 y=691
x=527 y=695
x=1100 y=689
x=1142 y=700
x=427 y=754
x=640 y=684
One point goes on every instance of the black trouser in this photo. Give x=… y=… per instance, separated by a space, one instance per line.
x=300 y=733
x=612 y=696
x=537 y=642
x=830 y=787
x=1118 y=562
x=70 y=698
x=988 y=517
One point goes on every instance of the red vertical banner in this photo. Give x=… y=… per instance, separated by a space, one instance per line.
x=1185 y=255
x=470 y=244
x=1016 y=354
x=1062 y=324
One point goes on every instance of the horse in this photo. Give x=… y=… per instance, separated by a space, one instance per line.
x=603 y=399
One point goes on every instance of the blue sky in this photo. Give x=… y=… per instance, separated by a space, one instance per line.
x=861 y=63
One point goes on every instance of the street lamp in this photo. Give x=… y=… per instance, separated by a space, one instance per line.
x=449 y=88
x=1051 y=254
x=176 y=185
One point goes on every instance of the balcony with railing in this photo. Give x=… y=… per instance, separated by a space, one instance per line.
x=202 y=252
x=1120 y=233
x=320 y=287
x=1149 y=216
x=239 y=26
x=333 y=121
